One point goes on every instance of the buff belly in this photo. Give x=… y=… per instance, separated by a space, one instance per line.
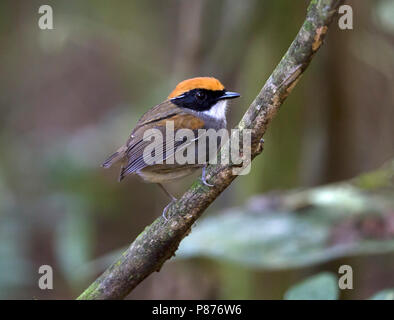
x=165 y=173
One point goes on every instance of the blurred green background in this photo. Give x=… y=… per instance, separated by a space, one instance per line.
x=70 y=96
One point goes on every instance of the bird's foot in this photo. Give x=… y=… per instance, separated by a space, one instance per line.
x=164 y=213
x=204 y=178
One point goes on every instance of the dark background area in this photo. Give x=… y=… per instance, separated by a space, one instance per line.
x=70 y=96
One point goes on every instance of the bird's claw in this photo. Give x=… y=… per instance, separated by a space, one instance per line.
x=204 y=178
x=206 y=183
x=164 y=213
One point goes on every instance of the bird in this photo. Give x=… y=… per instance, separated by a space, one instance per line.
x=196 y=103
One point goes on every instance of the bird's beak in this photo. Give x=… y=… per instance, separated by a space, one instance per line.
x=229 y=95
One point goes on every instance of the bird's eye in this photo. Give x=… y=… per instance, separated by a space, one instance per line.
x=200 y=95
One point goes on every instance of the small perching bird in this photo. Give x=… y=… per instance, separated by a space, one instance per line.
x=197 y=103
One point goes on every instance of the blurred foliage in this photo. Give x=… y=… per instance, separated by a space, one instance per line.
x=324 y=286
x=300 y=228
x=74 y=244
x=384 y=295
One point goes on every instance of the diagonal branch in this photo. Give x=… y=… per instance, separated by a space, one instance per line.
x=159 y=241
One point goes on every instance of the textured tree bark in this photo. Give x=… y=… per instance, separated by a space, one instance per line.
x=159 y=241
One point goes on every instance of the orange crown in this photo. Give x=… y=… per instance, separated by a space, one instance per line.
x=208 y=83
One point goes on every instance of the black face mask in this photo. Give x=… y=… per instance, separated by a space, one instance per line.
x=202 y=99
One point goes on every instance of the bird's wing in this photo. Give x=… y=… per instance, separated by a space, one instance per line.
x=156 y=114
x=157 y=118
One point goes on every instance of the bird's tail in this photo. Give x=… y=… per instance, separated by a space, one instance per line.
x=117 y=156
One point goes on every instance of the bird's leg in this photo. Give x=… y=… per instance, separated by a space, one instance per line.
x=204 y=178
x=173 y=200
